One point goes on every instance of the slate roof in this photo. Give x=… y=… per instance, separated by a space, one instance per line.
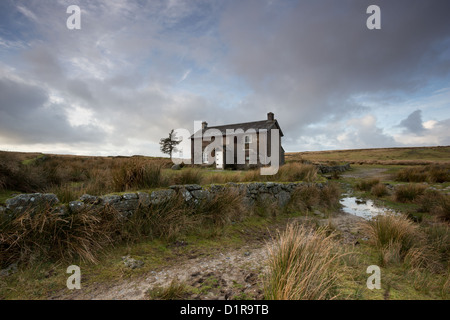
x=257 y=125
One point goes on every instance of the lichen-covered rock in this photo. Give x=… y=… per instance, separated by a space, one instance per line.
x=61 y=210
x=186 y=195
x=11 y=269
x=110 y=199
x=132 y=263
x=30 y=201
x=126 y=207
x=129 y=196
x=76 y=206
x=264 y=198
x=192 y=187
x=159 y=196
x=144 y=199
x=88 y=199
x=215 y=188
x=283 y=198
x=201 y=194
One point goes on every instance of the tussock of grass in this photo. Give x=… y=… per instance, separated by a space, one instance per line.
x=45 y=235
x=301 y=266
x=408 y=192
x=432 y=174
x=296 y=172
x=188 y=176
x=379 y=190
x=304 y=198
x=398 y=239
x=137 y=174
x=366 y=185
x=329 y=195
x=435 y=203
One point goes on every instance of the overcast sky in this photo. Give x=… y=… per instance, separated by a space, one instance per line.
x=138 y=69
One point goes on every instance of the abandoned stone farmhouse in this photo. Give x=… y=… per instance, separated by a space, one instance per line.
x=243 y=144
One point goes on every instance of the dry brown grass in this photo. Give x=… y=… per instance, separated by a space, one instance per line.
x=393 y=235
x=408 y=192
x=301 y=265
x=367 y=184
x=379 y=190
x=45 y=235
x=431 y=173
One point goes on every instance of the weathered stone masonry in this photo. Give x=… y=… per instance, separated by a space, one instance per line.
x=128 y=203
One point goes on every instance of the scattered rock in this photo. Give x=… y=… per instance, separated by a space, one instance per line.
x=132 y=263
x=11 y=269
x=176 y=167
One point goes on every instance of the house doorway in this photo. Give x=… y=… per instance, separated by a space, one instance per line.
x=219 y=159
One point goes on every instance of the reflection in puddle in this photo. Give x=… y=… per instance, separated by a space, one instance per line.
x=361 y=208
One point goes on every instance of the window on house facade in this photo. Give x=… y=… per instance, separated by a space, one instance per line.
x=248 y=139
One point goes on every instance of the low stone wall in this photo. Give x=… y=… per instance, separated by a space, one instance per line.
x=128 y=203
x=331 y=169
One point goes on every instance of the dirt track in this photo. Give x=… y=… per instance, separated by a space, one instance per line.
x=219 y=276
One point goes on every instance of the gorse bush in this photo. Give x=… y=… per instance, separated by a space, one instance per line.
x=301 y=265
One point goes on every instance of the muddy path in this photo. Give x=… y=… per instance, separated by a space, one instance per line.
x=367 y=173
x=222 y=275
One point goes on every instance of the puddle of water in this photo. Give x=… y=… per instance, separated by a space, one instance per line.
x=361 y=208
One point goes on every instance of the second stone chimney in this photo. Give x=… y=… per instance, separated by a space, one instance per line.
x=270 y=116
x=204 y=125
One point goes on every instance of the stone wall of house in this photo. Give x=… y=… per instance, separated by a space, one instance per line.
x=127 y=203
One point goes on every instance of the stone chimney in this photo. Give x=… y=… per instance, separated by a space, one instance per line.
x=270 y=116
x=204 y=125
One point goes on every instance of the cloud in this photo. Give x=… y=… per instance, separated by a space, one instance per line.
x=137 y=69
x=26 y=116
x=413 y=123
x=305 y=60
